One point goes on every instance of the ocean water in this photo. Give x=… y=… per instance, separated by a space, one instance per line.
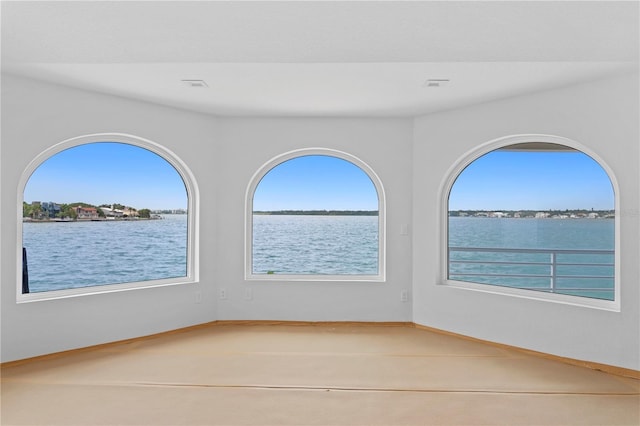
x=566 y=234
x=81 y=254
x=327 y=245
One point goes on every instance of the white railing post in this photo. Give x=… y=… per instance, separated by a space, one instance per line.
x=553 y=272
x=553 y=263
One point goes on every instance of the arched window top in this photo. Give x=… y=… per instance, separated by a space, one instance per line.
x=524 y=143
x=533 y=215
x=299 y=201
x=165 y=153
x=113 y=190
x=300 y=153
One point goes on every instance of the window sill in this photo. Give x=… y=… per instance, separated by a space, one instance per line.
x=314 y=278
x=564 y=299
x=101 y=289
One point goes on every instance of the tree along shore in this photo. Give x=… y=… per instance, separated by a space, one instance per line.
x=572 y=213
x=100 y=219
x=58 y=212
x=318 y=212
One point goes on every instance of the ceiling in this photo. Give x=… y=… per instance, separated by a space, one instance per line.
x=319 y=58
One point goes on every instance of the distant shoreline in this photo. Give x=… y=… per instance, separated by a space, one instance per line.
x=102 y=219
x=317 y=213
x=536 y=214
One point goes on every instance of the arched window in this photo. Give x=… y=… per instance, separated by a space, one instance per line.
x=533 y=215
x=315 y=214
x=106 y=210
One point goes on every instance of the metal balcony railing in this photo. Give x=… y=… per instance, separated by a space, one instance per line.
x=588 y=273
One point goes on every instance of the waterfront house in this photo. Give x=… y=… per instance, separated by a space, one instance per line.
x=130 y=212
x=498 y=214
x=413 y=92
x=111 y=212
x=50 y=209
x=84 y=213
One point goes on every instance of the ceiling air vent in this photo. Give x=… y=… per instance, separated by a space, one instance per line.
x=195 y=83
x=436 y=83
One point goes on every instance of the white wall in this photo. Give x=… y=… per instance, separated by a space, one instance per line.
x=604 y=117
x=247 y=144
x=410 y=157
x=36 y=116
x=223 y=154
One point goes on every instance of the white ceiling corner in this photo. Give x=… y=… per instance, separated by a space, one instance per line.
x=318 y=58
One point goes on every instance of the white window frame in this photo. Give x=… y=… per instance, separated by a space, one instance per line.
x=191 y=187
x=276 y=161
x=445 y=189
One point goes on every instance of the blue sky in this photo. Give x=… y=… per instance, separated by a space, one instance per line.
x=500 y=180
x=509 y=180
x=315 y=182
x=105 y=173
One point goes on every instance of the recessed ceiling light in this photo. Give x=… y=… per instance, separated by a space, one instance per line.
x=195 y=83
x=436 y=83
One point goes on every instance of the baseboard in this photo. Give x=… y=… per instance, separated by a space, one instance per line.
x=618 y=371
x=317 y=323
x=611 y=369
x=104 y=345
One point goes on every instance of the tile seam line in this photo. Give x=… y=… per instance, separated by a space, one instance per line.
x=374 y=389
x=316 y=354
x=335 y=388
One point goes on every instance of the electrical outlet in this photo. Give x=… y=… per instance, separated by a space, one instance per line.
x=248 y=294
x=223 y=294
x=198 y=296
x=404 y=296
